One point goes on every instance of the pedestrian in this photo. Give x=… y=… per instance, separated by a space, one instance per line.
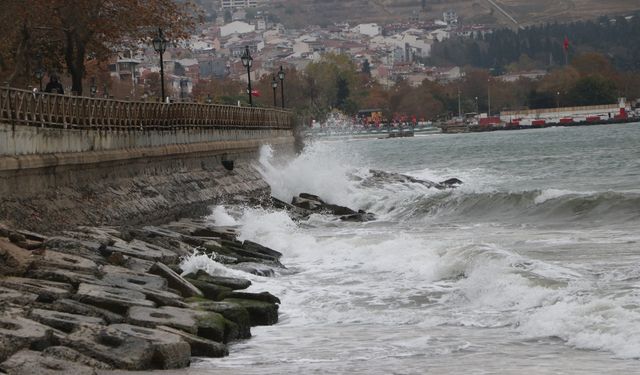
x=54 y=86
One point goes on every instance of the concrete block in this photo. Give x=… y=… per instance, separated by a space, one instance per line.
x=114 y=299
x=63 y=321
x=47 y=291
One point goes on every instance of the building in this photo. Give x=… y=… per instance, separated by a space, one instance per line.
x=236 y=27
x=450 y=17
x=239 y=4
x=368 y=29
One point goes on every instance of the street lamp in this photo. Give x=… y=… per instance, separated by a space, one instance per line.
x=477 y=106
x=209 y=99
x=184 y=83
x=105 y=91
x=489 y=97
x=93 y=89
x=39 y=73
x=558 y=99
x=160 y=45
x=281 y=77
x=274 y=85
x=247 y=61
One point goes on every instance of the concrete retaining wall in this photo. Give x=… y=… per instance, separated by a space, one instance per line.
x=31 y=140
x=110 y=185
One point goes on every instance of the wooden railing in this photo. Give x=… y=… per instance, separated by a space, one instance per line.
x=22 y=107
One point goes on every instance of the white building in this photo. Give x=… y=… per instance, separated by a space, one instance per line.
x=239 y=4
x=236 y=27
x=368 y=29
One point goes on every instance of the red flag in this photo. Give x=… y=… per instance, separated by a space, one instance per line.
x=255 y=92
x=566 y=43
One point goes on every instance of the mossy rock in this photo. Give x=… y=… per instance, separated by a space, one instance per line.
x=211 y=291
x=260 y=313
x=211 y=326
x=228 y=282
x=233 y=312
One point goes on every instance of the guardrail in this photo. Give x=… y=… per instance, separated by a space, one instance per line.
x=23 y=107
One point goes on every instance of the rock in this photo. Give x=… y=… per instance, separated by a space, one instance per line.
x=230 y=311
x=84 y=248
x=19 y=298
x=125 y=278
x=175 y=281
x=338 y=210
x=311 y=197
x=63 y=321
x=360 y=217
x=254 y=268
x=200 y=347
x=75 y=307
x=264 y=296
x=32 y=362
x=63 y=276
x=380 y=178
x=247 y=254
x=55 y=259
x=229 y=282
x=114 y=299
x=260 y=313
x=256 y=247
x=14 y=261
x=47 y=291
x=306 y=204
x=212 y=326
x=32 y=236
x=209 y=290
x=182 y=319
x=142 y=250
x=131 y=348
x=16 y=237
x=451 y=183
x=17 y=333
x=70 y=355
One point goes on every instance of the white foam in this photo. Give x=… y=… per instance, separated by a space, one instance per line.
x=221 y=217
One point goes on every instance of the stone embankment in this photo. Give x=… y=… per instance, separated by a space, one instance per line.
x=99 y=298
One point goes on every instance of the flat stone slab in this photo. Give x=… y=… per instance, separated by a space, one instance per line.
x=126 y=278
x=72 y=246
x=261 y=313
x=17 y=333
x=258 y=269
x=55 y=259
x=175 y=281
x=32 y=362
x=74 y=307
x=200 y=347
x=47 y=291
x=253 y=246
x=132 y=348
x=228 y=282
x=70 y=355
x=8 y=295
x=182 y=319
x=210 y=291
x=63 y=321
x=62 y=275
x=113 y=299
x=143 y=250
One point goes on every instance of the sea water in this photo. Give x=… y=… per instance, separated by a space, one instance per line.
x=532 y=266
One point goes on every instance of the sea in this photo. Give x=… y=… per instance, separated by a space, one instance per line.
x=531 y=266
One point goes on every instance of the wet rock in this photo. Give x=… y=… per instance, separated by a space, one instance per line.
x=209 y=290
x=360 y=217
x=74 y=307
x=338 y=210
x=175 y=281
x=230 y=311
x=63 y=321
x=18 y=333
x=263 y=296
x=14 y=261
x=200 y=347
x=47 y=291
x=126 y=278
x=8 y=295
x=254 y=268
x=129 y=347
x=212 y=326
x=256 y=247
x=306 y=204
x=32 y=362
x=312 y=197
x=181 y=319
x=229 y=282
x=142 y=250
x=70 y=355
x=260 y=313
x=73 y=246
x=114 y=299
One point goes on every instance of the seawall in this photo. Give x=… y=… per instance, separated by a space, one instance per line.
x=53 y=178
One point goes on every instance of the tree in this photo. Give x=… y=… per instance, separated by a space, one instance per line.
x=593 y=90
x=92 y=29
x=366 y=68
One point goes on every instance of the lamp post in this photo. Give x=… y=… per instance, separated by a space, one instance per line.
x=558 y=99
x=274 y=85
x=105 y=91
x=209 y=99
x=489 y=97
x=247 y=61
x=281 y=77
x=160 y=45
x=39 y=73
x=184 y=83
x=477 y=107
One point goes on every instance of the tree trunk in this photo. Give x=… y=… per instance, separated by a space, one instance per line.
x=74 y=56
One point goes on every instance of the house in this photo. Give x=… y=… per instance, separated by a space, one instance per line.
x=236 y=27
x=368 y=29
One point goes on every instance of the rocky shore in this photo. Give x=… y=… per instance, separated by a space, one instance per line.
x=100 y=298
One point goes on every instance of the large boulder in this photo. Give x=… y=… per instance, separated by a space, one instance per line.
x=63 y=321
x=230 y=311
x=210 y=290
x=74 y=307
x=181 y=319
x=200 y=347
x=260 y=313
x=57 y=260
x=228 y=282
x=175 y=281
x=129 y=347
